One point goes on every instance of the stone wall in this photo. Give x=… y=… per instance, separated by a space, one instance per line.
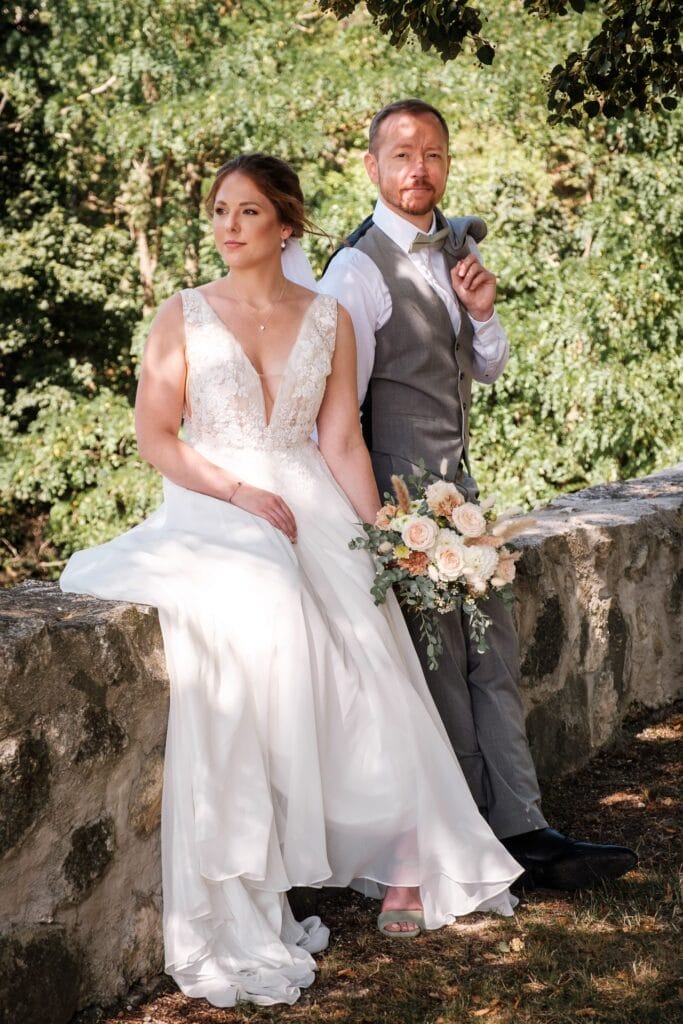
x=599 y=613
x=83 y=704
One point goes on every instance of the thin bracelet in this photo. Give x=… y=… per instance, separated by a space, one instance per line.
x=237 y=487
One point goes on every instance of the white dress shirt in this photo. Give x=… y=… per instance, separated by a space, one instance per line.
x=357 y=283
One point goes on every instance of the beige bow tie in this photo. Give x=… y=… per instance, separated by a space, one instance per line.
x=435 y=241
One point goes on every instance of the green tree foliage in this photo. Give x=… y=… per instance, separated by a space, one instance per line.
x=113 y=117
x=634 y=61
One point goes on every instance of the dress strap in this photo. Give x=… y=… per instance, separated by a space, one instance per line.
x=195 y=311
x=326 y=310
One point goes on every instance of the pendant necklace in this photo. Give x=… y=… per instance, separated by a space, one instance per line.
x=252 y=309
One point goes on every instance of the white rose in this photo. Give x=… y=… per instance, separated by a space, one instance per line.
x=480 y=562
x=433 y=572
x=419 y=533
x=469 y=519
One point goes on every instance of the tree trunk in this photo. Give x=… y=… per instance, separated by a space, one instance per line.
x=148 y=267
x=193 y=192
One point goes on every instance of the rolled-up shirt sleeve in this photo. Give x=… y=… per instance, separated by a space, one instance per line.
x=357 y=283
x=490 y=346
x=490 y=349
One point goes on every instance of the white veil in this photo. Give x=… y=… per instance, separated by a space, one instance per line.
x=296 y=266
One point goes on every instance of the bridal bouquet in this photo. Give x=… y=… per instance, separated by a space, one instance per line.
x=439 y=552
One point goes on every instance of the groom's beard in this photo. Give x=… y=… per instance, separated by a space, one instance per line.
x=417 y=205
x=418 y=209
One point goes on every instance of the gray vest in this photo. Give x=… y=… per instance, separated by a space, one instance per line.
x=419 y=396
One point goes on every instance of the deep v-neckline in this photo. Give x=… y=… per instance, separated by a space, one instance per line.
x=240 y=349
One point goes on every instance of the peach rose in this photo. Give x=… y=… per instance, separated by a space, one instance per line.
x=469 y=519
x=450 y=561
x=419 y=533
x=384 y=516
x=442 y=497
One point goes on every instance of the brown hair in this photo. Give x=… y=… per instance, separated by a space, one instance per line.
x=276 y=180
x=409 y=106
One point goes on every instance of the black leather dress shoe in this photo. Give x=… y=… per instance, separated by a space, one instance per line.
x=554 y=861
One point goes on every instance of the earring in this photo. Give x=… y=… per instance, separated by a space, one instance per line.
x=283 y=243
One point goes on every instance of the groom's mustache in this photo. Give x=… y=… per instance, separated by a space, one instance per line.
x=421 y=183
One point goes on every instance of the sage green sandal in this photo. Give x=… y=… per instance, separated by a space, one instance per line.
x=397 y=917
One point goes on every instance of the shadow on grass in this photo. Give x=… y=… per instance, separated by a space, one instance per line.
x=608 y=956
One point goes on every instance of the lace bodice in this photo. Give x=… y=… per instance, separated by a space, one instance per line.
x=226 y=407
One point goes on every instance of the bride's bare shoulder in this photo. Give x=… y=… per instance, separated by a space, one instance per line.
x=170 y=310
x=167 y=330
x=299 y=294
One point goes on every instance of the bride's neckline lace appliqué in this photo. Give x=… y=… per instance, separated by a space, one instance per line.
x=225 y=393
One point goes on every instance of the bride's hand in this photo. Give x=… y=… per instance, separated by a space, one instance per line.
x=268 y=506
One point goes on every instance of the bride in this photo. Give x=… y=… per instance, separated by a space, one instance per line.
x=303 y=746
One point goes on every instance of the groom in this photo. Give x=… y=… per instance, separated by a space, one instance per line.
x=422 y=305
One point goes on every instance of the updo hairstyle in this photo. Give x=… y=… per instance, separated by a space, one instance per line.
x=276 y=180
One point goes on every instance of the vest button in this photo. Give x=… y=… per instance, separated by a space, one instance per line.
x=462 y=375
x=457 y=345
x=464 y=405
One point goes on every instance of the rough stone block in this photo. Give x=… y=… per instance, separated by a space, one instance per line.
x=39 y=977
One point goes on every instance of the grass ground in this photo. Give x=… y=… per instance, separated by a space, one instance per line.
x=610 y=956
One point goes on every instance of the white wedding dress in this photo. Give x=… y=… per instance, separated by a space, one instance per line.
x=303 y=746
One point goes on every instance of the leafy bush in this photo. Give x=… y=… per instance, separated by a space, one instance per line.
x=107 y=149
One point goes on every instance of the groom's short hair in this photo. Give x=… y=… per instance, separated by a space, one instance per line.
x=409 y=106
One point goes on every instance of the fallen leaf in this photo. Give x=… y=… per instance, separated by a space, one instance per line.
x=587 y=1011
x=503 y=947
x=482 y=1013
x=516 y=944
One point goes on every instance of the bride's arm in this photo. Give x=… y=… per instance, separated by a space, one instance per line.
x=158 y=414
x=339 y=433
x=159 y=409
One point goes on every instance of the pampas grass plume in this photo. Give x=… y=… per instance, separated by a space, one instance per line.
x=402 y=493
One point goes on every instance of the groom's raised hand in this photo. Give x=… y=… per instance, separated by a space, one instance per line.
x=475 y=286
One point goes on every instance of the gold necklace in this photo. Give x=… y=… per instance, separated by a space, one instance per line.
x=252 y=309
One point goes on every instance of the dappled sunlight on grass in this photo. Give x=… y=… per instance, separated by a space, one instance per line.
x=662 y=733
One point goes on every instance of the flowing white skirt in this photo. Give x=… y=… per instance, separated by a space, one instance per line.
x=303 y=746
